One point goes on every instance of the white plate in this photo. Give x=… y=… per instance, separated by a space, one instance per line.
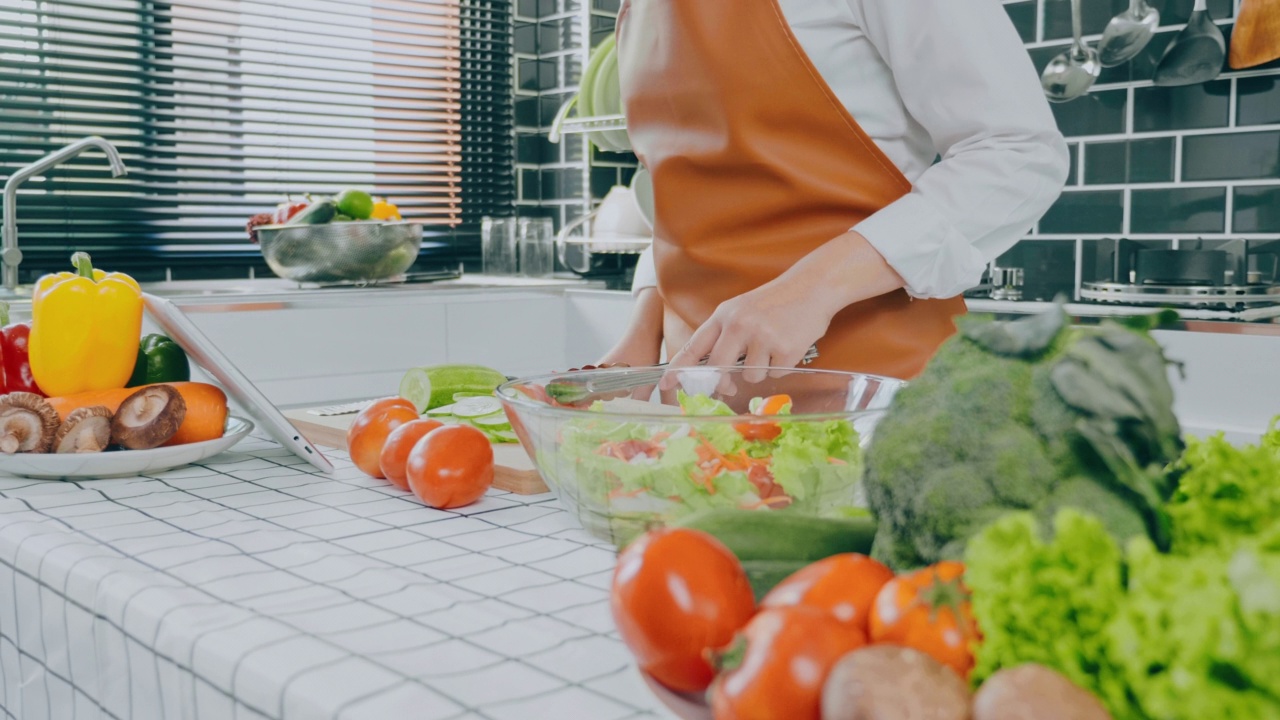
x=121 y=463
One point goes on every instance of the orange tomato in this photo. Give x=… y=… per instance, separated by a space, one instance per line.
x=757 y=430
x=677 y=595
x=779 y=663
x=370 y=430
x=450 y=466
x=844 y=585
x=395 y=452
x=928 y=610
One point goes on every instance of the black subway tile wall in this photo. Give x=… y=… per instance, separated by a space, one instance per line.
x=1157 y=165
x=1163 y=166
x=555 y=179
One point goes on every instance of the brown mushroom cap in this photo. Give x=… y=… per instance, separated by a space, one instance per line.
x=888 y=682
x=148 y=418
x=86 y=429
x=28 y=423
x=1035 y=692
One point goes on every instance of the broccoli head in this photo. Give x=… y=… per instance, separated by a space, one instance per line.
x=1029 y=415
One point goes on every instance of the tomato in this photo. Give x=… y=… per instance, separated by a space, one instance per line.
x=286 y=210
x=395 y=451
x=450 y=466
x=928 y=610
x=758 y=430
x=677 y=595
x=844 y=585
x=370 y=430
x=778 y=665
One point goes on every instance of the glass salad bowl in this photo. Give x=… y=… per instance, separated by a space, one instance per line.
x=629 y=448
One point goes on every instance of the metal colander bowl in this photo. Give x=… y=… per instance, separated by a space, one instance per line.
x=362 y=251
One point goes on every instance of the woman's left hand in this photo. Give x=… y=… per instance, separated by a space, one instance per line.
x=776 y=324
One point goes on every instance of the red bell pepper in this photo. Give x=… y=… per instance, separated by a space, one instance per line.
x=15 y=365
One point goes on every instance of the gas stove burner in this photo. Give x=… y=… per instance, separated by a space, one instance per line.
x=1227 y=297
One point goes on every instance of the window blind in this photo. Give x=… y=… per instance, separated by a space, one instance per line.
x=221 y=108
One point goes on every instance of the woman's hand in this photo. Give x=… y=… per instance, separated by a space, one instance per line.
x=641 y=343
x=776 y=324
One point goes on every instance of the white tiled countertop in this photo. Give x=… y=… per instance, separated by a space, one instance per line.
x=251 y=587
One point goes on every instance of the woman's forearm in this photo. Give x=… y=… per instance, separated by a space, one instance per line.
x=839 y=273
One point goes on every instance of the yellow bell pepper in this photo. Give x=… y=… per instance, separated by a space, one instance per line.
x=383 y=210
x=85 y=329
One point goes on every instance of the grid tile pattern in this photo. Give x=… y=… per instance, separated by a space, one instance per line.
x=251 y=587
x=1171 y=167
x=1166 y=166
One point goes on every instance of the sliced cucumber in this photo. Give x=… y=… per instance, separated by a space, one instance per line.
x=415 y=387
x=492 y=423
x=476 y=407
x=445 y=410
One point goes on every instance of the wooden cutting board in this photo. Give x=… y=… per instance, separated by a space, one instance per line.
x=513 y=470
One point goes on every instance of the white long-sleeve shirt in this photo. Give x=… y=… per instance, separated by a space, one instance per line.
x=929 y=78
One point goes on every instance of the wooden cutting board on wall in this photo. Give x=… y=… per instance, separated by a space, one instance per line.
x=513 y=470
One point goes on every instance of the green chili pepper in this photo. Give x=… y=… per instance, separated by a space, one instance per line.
x=160 y=360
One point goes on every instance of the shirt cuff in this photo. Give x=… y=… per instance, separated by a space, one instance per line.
x=646 y=275
x=934 y=259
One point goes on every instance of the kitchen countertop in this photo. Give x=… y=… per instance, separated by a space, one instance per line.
x=251 y=587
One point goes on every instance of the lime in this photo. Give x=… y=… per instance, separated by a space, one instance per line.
x=415 y=387
x=355 y=203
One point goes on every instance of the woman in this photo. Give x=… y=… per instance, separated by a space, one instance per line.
x=792 y=145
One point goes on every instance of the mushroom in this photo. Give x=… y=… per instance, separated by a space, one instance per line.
x=888 y=682
x=86 y=430
x=148 y=418
x=1035 y=692
x=27 y=423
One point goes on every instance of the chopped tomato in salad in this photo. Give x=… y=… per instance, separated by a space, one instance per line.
x=697 y=463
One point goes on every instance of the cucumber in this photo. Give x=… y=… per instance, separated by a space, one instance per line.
x=317 y=213
x=775 y=543
x=476 y=407
x=436 y=386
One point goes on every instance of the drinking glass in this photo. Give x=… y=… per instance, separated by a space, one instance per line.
x=498 y=245
x=537 y=247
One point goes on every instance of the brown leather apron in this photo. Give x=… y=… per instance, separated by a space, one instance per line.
x=755 y=164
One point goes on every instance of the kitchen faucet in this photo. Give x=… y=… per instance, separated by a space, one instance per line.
x=11 y=255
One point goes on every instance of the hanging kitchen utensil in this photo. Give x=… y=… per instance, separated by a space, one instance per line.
x=1071 y=74
x=1256 y=39
x=1196 y=55
x=1128 y=33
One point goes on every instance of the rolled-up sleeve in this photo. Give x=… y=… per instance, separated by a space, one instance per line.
x=964 y=75
x=646 y=274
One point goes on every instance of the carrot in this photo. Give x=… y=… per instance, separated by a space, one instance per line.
x=206 y=417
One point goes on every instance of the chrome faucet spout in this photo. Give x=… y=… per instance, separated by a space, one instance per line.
x=11 y=255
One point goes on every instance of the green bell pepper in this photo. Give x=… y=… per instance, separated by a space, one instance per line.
x=160 y=360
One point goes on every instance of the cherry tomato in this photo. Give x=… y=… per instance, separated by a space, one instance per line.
x=844 y=585
x=777 y=666
x=450 y=466
x=370 y=430
x=677 y=595
x=928 y=610
x=757 y=430
x=395 y=451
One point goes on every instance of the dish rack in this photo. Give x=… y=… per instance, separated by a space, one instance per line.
x=575 y=249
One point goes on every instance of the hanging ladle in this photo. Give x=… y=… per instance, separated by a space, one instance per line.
x=1128 y=33
x=1196 y=55
x=1071 y=74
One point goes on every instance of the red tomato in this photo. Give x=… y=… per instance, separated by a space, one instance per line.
x=450 y=466
x=757 y=430
x=779 y=663
x=286 y=210
x=395 y=452
x=844 y=585
x=678 y=594
x=928 y=610
x=370 y=430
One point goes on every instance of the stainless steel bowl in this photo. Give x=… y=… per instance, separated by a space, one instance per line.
x=342 y=251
